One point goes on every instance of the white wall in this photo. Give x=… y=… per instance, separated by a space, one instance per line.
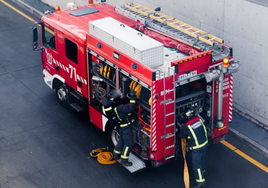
x=242 y=24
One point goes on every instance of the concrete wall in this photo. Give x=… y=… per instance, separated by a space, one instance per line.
x=242 y=24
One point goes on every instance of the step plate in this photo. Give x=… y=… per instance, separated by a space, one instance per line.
x=76 y=107
x=137 y=163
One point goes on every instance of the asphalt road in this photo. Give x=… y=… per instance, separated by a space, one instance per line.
x=43 y=145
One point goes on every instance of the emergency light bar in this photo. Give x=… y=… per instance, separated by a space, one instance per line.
x=190 y=58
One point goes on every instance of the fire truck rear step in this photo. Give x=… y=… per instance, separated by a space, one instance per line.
x=137 y=163
x=76 y=107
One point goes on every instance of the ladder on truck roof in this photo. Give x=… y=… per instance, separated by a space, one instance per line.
x=177 y=29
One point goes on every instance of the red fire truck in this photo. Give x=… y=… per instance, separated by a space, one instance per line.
x=90 y=50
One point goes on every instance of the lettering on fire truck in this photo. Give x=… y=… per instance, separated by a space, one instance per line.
x=72 y=70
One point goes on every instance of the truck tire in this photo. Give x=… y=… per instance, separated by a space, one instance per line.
x=62 y=95
x=113 y=134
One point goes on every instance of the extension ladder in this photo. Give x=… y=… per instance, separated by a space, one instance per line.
x=175 y=28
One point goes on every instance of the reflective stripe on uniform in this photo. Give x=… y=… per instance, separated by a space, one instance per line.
x=124 y=125
x=107 y=109
x=124 y=156
x=200 y=146
x=204 y=128
x=197 y=145
x=195 y=139
x=132 y=101
x=200 y=176
x=115 y=109
x=117 y=152
x=199 y=181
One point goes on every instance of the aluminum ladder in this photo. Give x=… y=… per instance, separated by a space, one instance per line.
x=175 y=28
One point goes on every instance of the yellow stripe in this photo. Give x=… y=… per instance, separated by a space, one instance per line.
x=107 y=109
x=245 y=156
x=124 y=156
x=18 y=11
x=193 y=134
x=117 y=152
x=199 y=174
x=200 y=146
x=132 y=101
x=117 y=114
x=24 y=15
x=204 y=128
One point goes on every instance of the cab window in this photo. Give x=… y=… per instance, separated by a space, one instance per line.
x=71 y=50
x=49 y=38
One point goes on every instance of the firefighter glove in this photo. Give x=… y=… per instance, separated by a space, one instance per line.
x=132 y=93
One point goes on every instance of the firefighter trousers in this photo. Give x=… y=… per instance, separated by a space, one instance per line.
x=198 y=163
x=125 y=142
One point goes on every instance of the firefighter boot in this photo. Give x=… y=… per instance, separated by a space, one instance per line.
x=125 y=162
x=201 y=185
x=116 y=156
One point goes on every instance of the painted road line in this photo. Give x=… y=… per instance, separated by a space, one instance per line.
x=18 y=11
x=245 y=156
x=21 y=13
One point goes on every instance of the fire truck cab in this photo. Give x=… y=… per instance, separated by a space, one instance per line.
x=90 y=50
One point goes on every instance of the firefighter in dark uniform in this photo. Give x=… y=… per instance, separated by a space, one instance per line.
x=125 y=117
x=195 y=133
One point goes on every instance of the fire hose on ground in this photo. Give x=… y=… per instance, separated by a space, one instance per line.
x=103 y=156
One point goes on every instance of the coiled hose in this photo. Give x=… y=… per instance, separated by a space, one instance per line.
x=103 y=156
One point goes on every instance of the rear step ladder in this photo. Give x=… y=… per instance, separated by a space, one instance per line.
x=166 y=116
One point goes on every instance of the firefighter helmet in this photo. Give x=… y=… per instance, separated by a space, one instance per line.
x=115 y=95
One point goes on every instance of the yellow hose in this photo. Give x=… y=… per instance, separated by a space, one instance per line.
x=103 y=156
x=138 y=91
x=185 y=172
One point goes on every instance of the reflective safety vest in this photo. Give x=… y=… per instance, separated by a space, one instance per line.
x=197 y=133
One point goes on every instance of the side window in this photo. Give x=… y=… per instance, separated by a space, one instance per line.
x=49 y=38
x=71 y=50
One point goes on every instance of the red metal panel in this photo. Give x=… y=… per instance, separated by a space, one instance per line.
x=225 y=106
x=95 y=117
x=159 y=117
x=195 y=63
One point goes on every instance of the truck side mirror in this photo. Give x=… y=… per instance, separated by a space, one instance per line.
x=35 y=35
x=35 y=38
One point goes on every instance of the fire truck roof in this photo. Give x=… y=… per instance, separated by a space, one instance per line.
x=75 y=22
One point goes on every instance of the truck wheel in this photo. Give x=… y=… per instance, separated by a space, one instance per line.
x=63 y=95
x=113 y=134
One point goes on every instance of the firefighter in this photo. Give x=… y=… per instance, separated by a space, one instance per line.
x=196 y=135
x=125 y=117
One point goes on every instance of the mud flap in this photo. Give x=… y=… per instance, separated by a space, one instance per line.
x=137 y=163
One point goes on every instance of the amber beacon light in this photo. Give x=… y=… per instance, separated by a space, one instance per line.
x=90 y=2
x=57 y=8
x=225 y=62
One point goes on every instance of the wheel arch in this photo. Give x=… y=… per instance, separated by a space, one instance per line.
x=57 y=80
